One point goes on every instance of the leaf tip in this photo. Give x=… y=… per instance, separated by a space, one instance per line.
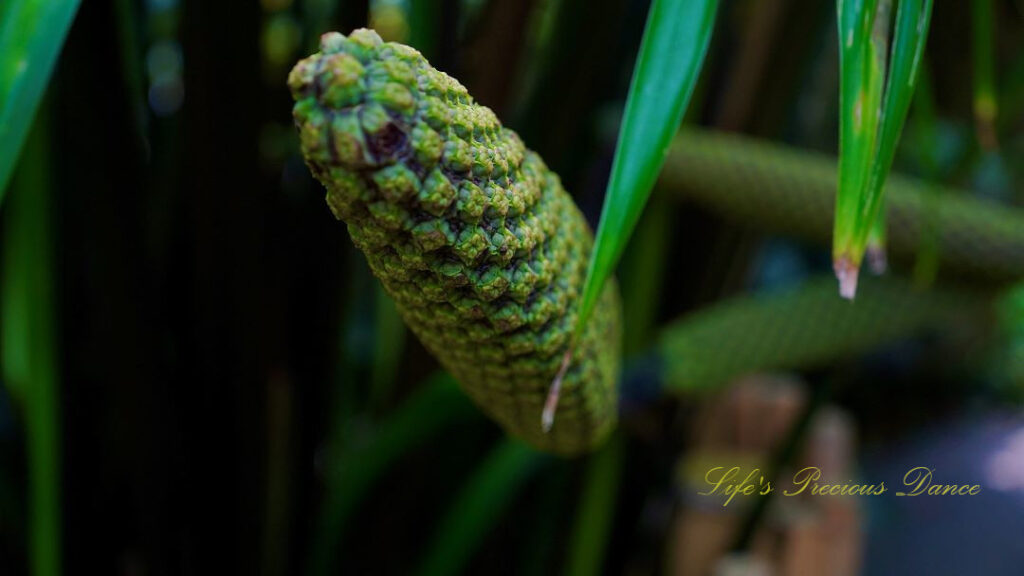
x=847 y=274
x=878 y=261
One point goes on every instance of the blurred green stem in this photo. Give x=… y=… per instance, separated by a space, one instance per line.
x=317 y=16
x=496 y=42
x=423 y=26
x=596 y=509
x=352 y=466
x=542 y=542
x=926 y=265
x=28 y=354
x=478 y=506
x=131 y=65
x=389 y=342
x=982 y=42
x=644 y=265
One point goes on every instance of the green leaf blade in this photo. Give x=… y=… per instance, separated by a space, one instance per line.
x=856 y=129
x=671 y=54
x=912 y=22
x=31 y=35
x=29 y=345
x=870 y=121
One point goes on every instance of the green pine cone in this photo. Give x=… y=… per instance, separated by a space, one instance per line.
x=471 y=234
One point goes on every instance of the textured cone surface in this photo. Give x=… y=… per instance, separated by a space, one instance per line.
x=793 y=192
x=471 y=234
x=803 y=328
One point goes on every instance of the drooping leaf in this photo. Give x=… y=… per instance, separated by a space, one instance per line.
x=912 y=20
x=857 y=127
x=870 y=128
x=671 y=54
x=875 y=243
x=31 y=35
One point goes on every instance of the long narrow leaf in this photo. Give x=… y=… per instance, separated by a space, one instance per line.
x=875 y=242
x=671 y=54
x=31 y=35
x=912 y=19
x=28 y=343
x=856 y=133
x=869 y=127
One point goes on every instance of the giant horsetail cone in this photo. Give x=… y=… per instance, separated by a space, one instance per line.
x=473 y=236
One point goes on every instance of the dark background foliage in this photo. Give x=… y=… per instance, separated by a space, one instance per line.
x=217 y=330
